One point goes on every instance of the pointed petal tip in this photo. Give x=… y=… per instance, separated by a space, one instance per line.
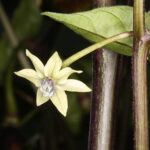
x=60 y=101
x=31 y=75
x=79 y=71
x=73 y=85
x=38 y=65
x=89 y=90
x=53 y=65
x=38 y=104
x=27 y=52
x=56 y=53
x=64 y=113
x=17 y=73
x=86 y=89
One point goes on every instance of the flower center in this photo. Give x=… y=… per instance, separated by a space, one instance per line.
x=47 y=87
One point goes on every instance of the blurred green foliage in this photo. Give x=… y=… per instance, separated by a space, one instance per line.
x=25 y=23
x=24 y=126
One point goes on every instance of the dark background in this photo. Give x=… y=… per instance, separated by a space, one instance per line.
x=23 y=126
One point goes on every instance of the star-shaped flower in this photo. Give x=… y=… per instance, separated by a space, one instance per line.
x=52 y=81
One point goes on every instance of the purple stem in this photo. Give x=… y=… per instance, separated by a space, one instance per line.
x=104 y=74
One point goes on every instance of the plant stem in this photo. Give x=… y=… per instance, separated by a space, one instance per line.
x=104 y=75
x=94 y=47
x=140 y=96
x=102 y=102
x=139 y=18
x=139 y=71
x=103 y=3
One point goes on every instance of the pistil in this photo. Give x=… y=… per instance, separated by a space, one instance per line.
x=47 y=87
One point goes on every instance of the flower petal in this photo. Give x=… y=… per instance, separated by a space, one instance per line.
x=63 y=74
x=40 y=99
x=53 y=65
x=60 y=101
x=30 y=75
x=75 y=86
x=39 y=67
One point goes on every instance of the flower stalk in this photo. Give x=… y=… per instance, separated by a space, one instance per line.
x=94 y=47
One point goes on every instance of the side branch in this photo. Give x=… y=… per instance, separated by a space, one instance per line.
x=94 y=47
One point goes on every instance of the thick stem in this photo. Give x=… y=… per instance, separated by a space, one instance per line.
x=140 y=95
x=139 y=71
x=104 y=74
x=95 y=104
x=102 y=101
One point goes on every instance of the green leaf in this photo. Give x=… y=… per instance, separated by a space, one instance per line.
x=97 y=24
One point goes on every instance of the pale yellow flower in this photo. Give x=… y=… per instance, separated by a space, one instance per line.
x=52 y=81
